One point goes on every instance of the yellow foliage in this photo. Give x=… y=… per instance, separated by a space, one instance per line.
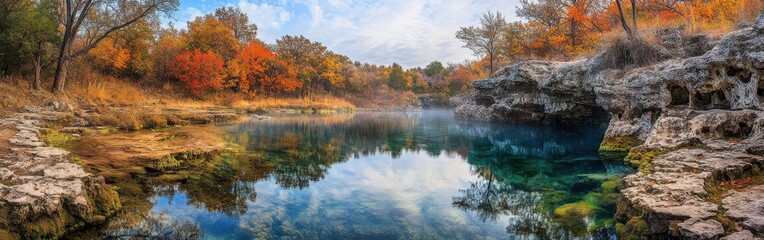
x=108 y=56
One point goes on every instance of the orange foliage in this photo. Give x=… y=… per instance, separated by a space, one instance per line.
x=198 y=70
x=461 y=78
x=108 y=56
x=209 y=34
x=258 y=70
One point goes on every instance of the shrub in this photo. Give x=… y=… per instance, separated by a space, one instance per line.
x=153 y=121
x=624 y=53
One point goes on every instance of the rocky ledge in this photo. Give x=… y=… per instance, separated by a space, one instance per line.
x=692 y=125
x=43 y=194
x=44 y=191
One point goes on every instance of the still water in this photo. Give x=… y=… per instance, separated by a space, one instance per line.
x=413 y=175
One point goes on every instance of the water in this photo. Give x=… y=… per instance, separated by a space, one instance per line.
x=393 y=176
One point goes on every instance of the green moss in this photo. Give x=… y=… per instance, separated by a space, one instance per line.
x=76 y=160
x=104 y=202
x=620 y=229
x=54 y=138
x=611 y=186
x=171 y=178
x=553 y=198
x=644 y=158
x=571 y=216
x=167 y=163
x=616 y=148
x=635 y=229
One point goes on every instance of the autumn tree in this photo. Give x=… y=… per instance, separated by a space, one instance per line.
x=209 y=34
x=238 y=21
x=138 y=39
x=101 y=19
x=435 y=68
x=556 y=27
x=306 y=56
x=330 y=72
x=257 y=70
x=107 y=56
x=396 y=78
x=199 y=71
x=459 y=81
x=486 y=39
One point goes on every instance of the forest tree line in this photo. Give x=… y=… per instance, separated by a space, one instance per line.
x=569 y=29
x=220 y=52
x=214 y=53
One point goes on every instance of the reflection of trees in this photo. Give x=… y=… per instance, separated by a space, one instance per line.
x=490 y=198
x=219 y=190
x=302 y=148
x=487 y=199
x=157 y=226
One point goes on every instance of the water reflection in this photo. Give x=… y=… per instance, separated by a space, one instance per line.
x=398 y=175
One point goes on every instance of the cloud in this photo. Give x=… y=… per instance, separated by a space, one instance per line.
x=409 y=32
x=268 y=17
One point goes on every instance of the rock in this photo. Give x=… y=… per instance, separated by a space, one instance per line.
x=747 y=207
x=73 y=130
x=742 y=235
x=60 y=106
x=432 y=101
x=686 y=123
x=533 y=91
x=47 y=195
x=696 y=228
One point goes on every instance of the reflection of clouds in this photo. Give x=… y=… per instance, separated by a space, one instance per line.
x=393 y=175
x=374 y=196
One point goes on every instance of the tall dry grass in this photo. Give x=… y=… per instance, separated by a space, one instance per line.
x=107 y=90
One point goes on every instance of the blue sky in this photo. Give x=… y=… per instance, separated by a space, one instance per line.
x=410 y=32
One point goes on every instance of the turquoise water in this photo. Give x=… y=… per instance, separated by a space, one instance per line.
x=398 y=175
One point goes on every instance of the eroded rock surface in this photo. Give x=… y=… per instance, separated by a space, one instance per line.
x=688 y=124
x=43 y=194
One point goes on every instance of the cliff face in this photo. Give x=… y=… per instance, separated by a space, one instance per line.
x=533 y=91
x=693 y=127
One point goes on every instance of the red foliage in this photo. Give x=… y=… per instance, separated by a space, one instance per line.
x=258 y=70
x=198 y=70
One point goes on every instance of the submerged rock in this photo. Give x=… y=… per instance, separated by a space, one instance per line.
x=688 y=124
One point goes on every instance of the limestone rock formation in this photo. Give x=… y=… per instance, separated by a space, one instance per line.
x=43 y=194
x=689 y=125
x=533 y=91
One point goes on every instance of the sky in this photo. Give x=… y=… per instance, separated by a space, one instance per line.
x=412 y=33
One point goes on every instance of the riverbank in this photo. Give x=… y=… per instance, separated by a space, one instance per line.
x=46 y=191
x=691 y=123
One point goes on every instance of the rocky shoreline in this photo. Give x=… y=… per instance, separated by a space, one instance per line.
x=692 y=125
x=44 y=191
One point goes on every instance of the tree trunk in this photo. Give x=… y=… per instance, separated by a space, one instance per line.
x=633 y=15
x=37 y=68
x=60 y=80
x=623 y=19
x=490 y=58
x=573 y=33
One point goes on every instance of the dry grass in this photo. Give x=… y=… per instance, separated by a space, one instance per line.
x=300 y=103
x=134 y=119
x=16 y=93
x=382 y=98
x=99 y=89
x=623 y=53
